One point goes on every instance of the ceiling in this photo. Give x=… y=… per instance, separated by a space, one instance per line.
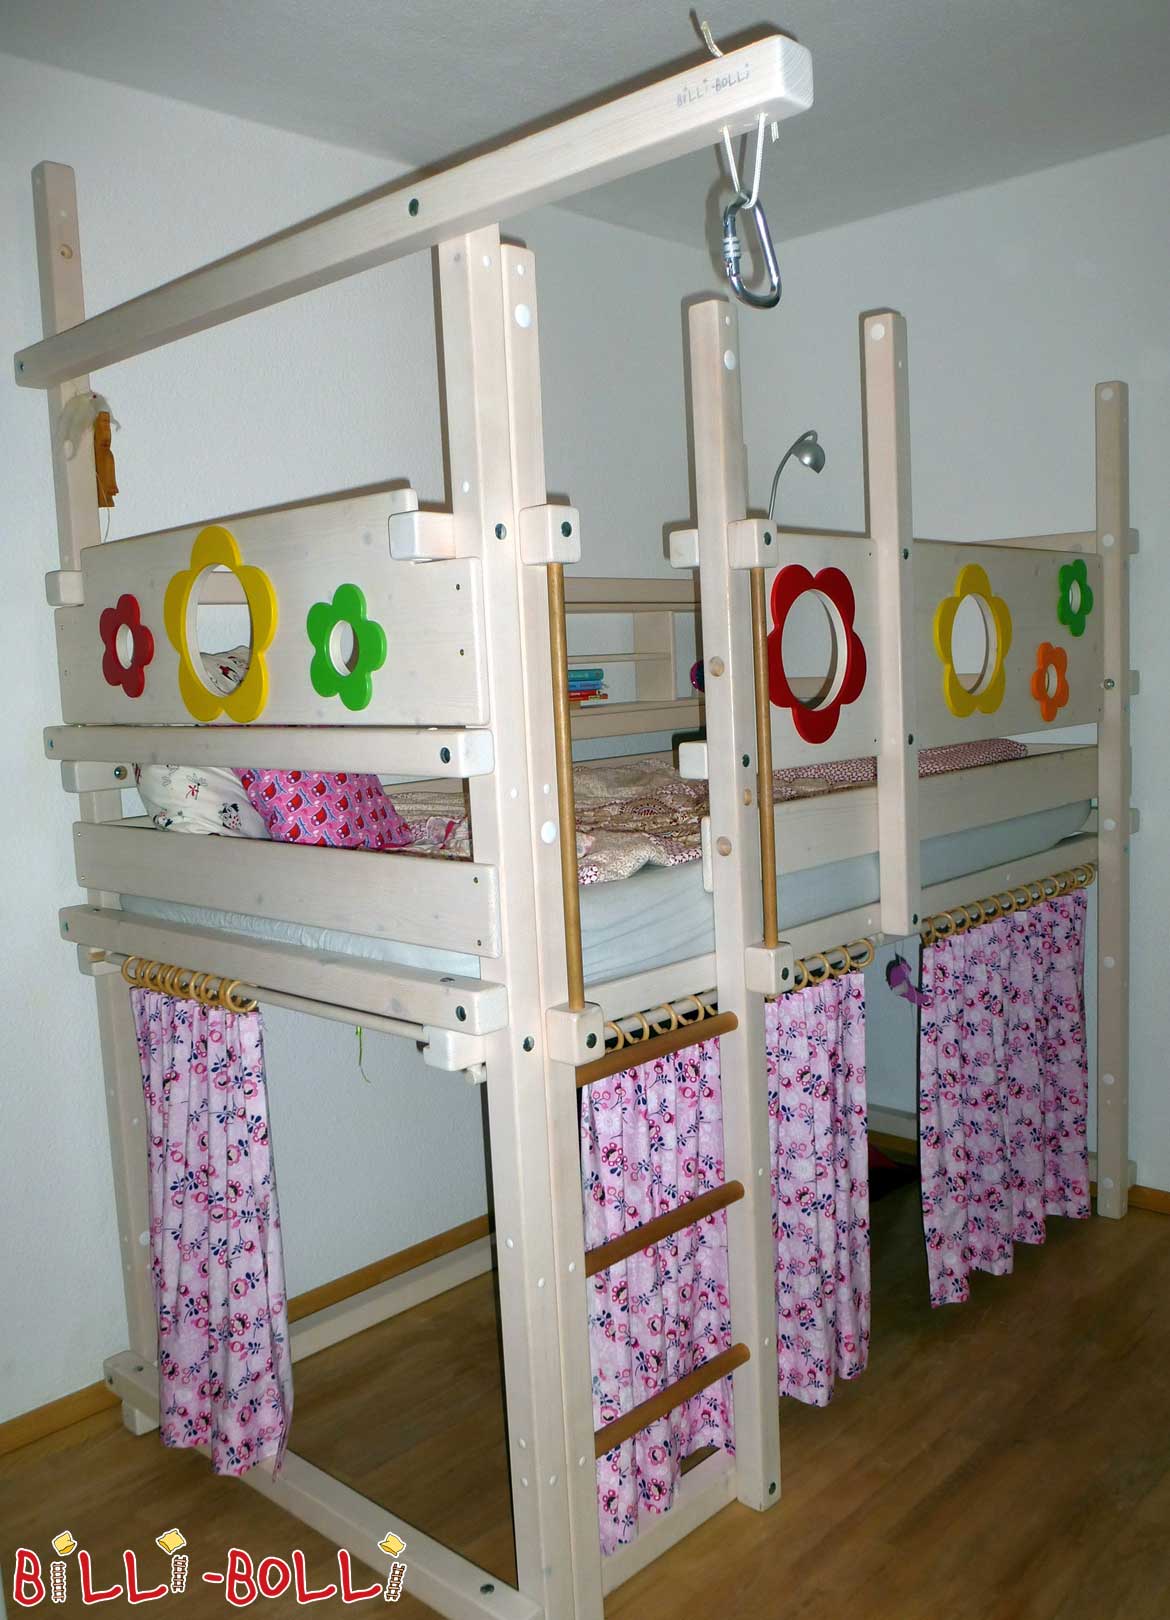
x=914 y=98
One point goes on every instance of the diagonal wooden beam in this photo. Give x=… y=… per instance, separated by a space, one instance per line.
x=770 y=77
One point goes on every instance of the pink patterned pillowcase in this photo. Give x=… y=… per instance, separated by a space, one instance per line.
x=345 y=810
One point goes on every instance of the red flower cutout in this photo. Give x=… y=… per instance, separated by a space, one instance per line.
x=129 y=646
x=816 y=725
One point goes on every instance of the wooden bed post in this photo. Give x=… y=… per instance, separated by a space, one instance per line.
x=1113 y=802
x=492 y=372
x=721 y=497
x=886 y=406
x=78 y=526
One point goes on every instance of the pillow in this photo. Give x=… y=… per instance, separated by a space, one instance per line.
x=225 y=670
x=203 y=798
x=344 y=809
x=197 y=799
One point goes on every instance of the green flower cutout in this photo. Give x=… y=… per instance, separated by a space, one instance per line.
x=1076 y=596
x=343 y=664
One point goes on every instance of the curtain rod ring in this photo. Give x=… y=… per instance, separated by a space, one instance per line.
x=236 y=1000
x=690 y=1017
x=826 y=967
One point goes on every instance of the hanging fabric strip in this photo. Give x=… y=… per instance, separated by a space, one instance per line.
x=651 y=1138
x=225 y=1374
x=815 y=1041
x=1003 y=1090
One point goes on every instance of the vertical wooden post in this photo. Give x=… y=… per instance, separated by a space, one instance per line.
x=1113 y=802
x=78 y=526
x=721 y=498
x=492 y=373
x=889 y=521
x=656 y=677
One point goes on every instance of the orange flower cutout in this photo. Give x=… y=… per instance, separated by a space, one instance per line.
x=1050 y=680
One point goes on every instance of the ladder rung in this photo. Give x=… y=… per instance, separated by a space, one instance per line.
x=628 y=1057
x=641 y=1416
x=662 y=1226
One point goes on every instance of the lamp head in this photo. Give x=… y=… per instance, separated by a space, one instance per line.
x=810 y=452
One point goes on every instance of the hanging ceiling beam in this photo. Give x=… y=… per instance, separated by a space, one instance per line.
x=772 y=76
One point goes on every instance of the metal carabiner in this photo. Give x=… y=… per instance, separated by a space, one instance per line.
x=732 y=253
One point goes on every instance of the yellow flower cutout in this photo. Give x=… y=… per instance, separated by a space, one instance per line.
x=216 y=546
x=987 y=693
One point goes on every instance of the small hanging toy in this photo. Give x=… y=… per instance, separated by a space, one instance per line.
x=901 y=981
x=84 y=412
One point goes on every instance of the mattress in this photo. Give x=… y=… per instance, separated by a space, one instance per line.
x=662 y=914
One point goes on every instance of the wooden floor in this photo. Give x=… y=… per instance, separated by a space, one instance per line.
x=1004 y=1460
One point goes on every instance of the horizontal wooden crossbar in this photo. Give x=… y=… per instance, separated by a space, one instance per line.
x=426 y=751
x=646 y=1412
x=349 y=988
x=628 y=1057
x=772 y=77
x=662 y=1226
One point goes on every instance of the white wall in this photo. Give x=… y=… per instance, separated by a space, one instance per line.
x=1018 y=298
x=335 y=390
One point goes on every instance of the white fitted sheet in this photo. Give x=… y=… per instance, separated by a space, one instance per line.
x=663 y=914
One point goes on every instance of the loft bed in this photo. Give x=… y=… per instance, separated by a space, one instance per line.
x=484 y=960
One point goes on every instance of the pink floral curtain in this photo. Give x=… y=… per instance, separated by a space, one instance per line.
x=651 y=1138
x=815 y=1039
x=1003 y=1089
x=225 y=1375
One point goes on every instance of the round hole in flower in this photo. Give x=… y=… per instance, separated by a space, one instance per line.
x=343 y=647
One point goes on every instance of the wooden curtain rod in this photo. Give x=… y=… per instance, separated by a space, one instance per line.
x=566 y=799
x=764 y=786
x=662 y=1226
x=960 y=918
x=641 y=1416
x=626 y=1057
x=191 y=984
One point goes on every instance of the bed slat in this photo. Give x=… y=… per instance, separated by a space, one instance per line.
x=447 y=905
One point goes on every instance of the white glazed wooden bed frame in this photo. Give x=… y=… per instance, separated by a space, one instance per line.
x=470 y=698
